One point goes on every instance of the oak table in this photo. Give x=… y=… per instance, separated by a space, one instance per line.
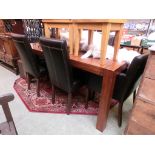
x=109 y=69
x=76 y=25
x=105 y=26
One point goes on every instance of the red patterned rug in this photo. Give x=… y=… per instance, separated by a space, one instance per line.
x=44 y=103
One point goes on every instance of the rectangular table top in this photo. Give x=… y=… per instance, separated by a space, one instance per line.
x=89 y=64
x=84 y=21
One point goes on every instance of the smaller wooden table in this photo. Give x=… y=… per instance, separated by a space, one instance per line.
x=105 y=25
x=76 y=25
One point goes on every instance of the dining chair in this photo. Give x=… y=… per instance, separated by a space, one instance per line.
x=126 y=82
x=32 y=66
x=8 y=127
x=60 y=71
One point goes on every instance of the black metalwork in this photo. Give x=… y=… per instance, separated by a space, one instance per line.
x=8 y=23
x=33 y=29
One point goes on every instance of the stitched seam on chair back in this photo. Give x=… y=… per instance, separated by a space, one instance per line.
x=53 y=64
x=67 y=67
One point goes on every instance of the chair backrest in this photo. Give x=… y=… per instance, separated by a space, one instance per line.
x=57 y=60
x=26 y=54
x=132 y=77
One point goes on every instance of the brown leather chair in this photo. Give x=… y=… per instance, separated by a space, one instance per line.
x=7 y=128
x=126 y=82
x=32 y=66
x=60 y=71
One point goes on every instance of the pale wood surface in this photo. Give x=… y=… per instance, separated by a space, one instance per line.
x=90 y=37
x=99 y=20
x=84 y=20
x=57 y=21
x=77 y=40
x=71 y=38
x=117 y=42
x=57 y=33
x=57 y=25
x=46 y=29
x=105 y=26
x=104 y=41
x=91 y=24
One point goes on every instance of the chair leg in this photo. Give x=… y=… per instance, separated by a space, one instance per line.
x=9 y=117
x=15 y=128
x=28 y=80
x=38 y=87
x=134 y=95
x=120 y=106
x=91 y=95
x=53 y=94
x=69 y=103
x=87 y=98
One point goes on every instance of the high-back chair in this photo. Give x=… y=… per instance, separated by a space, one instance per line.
x=8 y=127
x=125 y=84
x=30 y=61
x=59 y=68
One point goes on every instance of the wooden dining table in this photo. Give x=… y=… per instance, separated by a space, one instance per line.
x=108 y=70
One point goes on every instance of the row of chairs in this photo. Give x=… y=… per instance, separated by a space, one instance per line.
x=63 y=76
x=60 y=72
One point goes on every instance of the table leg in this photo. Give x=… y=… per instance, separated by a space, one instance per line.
x=47 y=31
x=118 y=37
x=105 y=99
x=77 y=40
x=90 y=37
x=57 y=33
x=71 y=38
x=104 y=41
x=141 y=51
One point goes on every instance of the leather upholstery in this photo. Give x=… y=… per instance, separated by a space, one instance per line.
x=59 y=68
x=29 y=59
x=125 y=83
